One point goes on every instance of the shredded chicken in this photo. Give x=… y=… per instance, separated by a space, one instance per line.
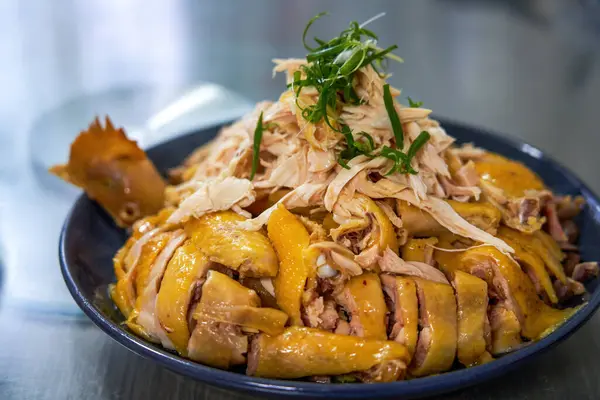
x=392 y=263
x=214 y=195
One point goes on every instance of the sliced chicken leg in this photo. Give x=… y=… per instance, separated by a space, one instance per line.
x=472 y=303
x=402 y=292
x=436 y=347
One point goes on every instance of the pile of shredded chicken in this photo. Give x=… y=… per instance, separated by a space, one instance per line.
x=313 y=270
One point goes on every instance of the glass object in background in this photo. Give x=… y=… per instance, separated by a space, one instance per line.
x=35 y=205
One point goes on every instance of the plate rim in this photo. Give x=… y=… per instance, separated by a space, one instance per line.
x=414 y=388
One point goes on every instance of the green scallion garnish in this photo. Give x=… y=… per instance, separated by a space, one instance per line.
x=330 y=70
x=414 y=104
x=388 y=100
x=401 y=161
x=258 y=132
x=417 y=144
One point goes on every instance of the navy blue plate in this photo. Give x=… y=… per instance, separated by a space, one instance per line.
x=90 y=239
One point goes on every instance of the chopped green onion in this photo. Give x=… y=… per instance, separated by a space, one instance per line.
x=354 y=62
x=355 y=148
x=310 y=22
x=370 y=141
x=383 y=53
x=417 y=144
x=402 y=161
x=393 y=115
x=331 y=67
x=399 y=158
x=326 y=51
x=341 y=160
x=258 y=132
x=330 y=70
x=414 y=104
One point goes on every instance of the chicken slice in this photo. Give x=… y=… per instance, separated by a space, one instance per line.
x=290 y=239
x=217 y=344
x=144 y=315
x=114 y=171
x=226 y=300
x=402 y=293
x=362 y=298
x=506 y=329
x=141 y=231
x=516 y=190
x=219 y=236
x=472 y=303
x=436 y=347
x=183 y=275
x=225 y=310
x=285 y=356
x=133 y=282
x=542 y=245
x=533 y=266
x=420 y=223
x=510 y=284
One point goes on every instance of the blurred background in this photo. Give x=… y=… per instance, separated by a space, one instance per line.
x=525 y=68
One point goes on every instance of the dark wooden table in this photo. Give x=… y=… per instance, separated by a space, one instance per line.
x=527 y=68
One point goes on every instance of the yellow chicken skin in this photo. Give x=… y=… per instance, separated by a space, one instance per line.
x=449 y=250
x=535 y=316
x=302 y=351
x=220 y=290
x=533 y=265
x=290 y=239
x=134 y=281
x=472 y=303
x=514 y=189
x=420 y=250
x=226 y=300
x=114 y=171
x=362 y=298
x=500 y=271
x=542 y=245
x=421 y=224
x=547 y=245
x=219 y=237
x=122 y=260
x=436 y=347
x=506 y=330
x=182 y=277
x=214 y=342
x=405 y=315
x=143 y=318
x=513 y=177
